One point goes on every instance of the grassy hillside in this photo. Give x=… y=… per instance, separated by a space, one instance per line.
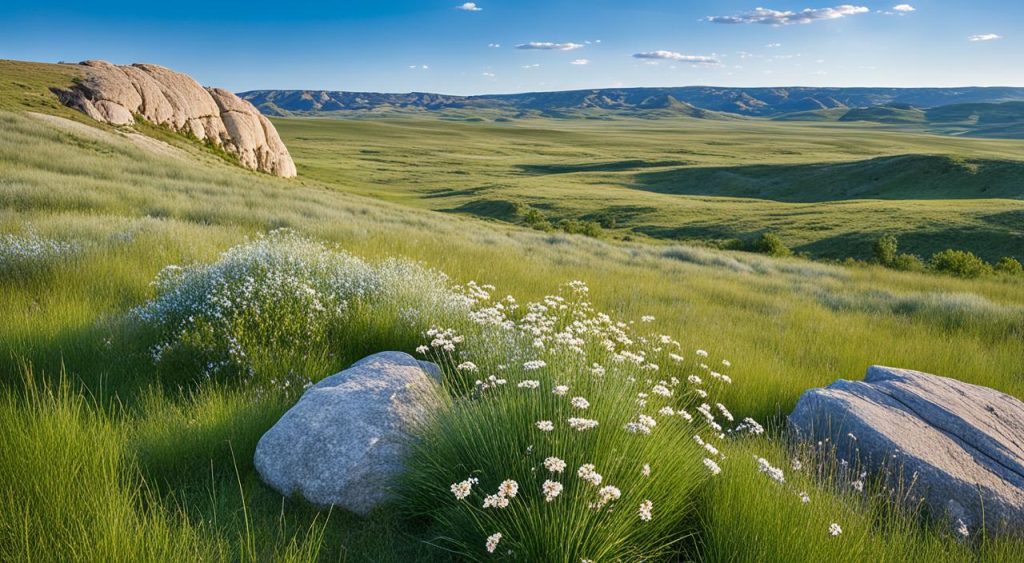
x=110 y=457
x=829 y=190
x=982 y=120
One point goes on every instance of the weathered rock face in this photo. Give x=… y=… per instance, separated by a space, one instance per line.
x=115 y=94
x=962 y=445
x=344 y=441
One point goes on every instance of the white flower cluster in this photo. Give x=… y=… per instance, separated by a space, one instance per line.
x=280 y=295
x=774 y=472
x=32 y=251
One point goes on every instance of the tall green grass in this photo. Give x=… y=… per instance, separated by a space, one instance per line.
x=175 y=464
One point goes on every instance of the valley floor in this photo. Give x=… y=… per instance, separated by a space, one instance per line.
x=827 y=189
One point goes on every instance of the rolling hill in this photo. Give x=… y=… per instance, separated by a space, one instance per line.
x=753 y=102
x=992 y=120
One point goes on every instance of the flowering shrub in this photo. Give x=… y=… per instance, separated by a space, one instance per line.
x=283 y=308
x=604 y=430
x=25 y=255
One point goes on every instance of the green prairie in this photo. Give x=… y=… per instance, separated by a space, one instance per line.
x=827 y=189
x=104 y=458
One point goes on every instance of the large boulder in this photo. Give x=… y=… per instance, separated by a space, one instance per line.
x=343 y=443
x=961 y=446
x=115 y=94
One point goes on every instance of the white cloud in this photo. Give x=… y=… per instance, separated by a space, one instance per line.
x=548 y=46
x=580 y=62
x=904 y=8
x=780 y=17
x=531 y=66
x=419 y=67
x=773 y=45
x=494 y=45
x=469 y=7
x=985 y=37
x=674 y=56
x=488 y=74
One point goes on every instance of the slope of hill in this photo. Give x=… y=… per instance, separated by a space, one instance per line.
x=992 y=120
x=828 y=189
x=761 y=102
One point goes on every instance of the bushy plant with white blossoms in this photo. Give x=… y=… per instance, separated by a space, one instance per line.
x=283 y=309
x=29 y=254
x=606 y=431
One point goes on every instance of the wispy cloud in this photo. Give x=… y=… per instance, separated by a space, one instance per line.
x=674 y=56
x=528 y=67
x=773 y=45
x=985 y=37
x=419 y=67
x=469 y=7
x=494 y=45
x=785 y=17
x=488 y=74
x=904 y=8
x=548 y=46
x=580 y=62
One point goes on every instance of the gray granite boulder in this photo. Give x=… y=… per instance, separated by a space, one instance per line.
x=343 y=443
x=961 y=445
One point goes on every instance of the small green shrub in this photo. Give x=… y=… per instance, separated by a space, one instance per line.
x=960 y=263
x=885 y=250
x=536 y=220
x=908 y=263
x=1009 y=265
x=284 y=309
x=772 y=245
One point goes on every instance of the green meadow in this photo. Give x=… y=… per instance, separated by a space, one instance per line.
x=107 y=456
x=827 y=189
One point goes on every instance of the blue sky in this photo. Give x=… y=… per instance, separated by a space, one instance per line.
x=493 y=46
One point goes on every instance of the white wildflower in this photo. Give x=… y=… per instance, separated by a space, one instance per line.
x=774 y=472
x=554 y=464
x=560 y=390
x=496 y=501
x=646 y=508
x=587 y=473
x=647 y=319
x=545 y=425
x=580 y=403
x=646 y=470
x=702 y=353
x=528 y=384
x=492 y=542
x=661 y=390
x=834 y=529
x=462 y=489
x=582 y=424
x=508 y=488
x=534 y=365
x=551 y=490
x=712 y=466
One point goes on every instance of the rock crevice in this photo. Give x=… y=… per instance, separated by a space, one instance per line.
x=116 y=94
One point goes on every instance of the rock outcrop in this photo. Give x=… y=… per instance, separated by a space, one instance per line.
x=344 y=441
x=116 y=94
x=960 y=445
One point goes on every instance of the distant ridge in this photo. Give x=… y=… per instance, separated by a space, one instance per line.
x=696 y=101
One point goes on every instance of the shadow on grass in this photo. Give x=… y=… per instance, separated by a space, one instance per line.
x=903 y=177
